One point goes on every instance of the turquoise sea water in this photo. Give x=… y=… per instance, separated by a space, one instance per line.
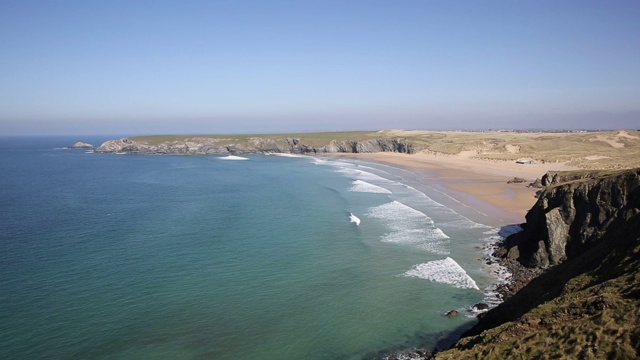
x=108 y=256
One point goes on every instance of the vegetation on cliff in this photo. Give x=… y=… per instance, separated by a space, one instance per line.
x=589 y=150
x=587 y=304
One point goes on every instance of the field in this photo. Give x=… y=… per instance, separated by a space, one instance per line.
x=588 y=150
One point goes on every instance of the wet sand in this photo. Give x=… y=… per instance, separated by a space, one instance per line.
x=480 y=184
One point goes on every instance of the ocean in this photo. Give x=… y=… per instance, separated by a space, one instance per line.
x=106 y=256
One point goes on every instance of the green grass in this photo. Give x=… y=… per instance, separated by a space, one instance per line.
x=311 y=139
x=593 y=150
x=585 y=308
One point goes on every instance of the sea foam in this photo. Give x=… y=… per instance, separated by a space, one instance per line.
x=357 y=174
x=289 y=155
x=363 y=186
x=410 y=226
x=233 y=157
x=500 y=273
x=446 y=271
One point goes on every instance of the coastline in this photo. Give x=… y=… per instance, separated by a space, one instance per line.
x=482 y=186
x=479 y=184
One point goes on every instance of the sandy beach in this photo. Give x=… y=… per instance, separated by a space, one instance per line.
x=481 y=184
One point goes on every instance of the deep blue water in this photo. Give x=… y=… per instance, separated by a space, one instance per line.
x=106 y=256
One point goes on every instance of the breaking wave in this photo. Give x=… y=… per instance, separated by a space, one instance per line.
x=288 y=155
x=233 y=157
x=410 y=226
x=446 y=271
x=363 y=186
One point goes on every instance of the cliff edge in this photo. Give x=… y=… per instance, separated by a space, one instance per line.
x=574 y=211
x=586 y=304
x=202 y=145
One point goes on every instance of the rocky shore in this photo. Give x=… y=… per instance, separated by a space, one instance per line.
x=575 y=286
x=202 y=145
x=581 y=244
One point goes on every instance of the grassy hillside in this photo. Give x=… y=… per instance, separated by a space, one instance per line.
x=311 y=139
x=592 y=150
x=588 y=306
x=584 y=309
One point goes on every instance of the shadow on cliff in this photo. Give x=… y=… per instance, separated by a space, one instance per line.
x=617 y=253
x=431 y=344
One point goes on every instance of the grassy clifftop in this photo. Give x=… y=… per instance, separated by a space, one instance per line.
x=587 y=306
x=590 y=150
x=585 y=309
x=310 y=139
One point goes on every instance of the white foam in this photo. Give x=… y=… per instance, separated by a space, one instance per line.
x=354 y=219
x=328 y=162
x=409 y=226
x=357 y=174
x=289 y=155
x=363 y=186
x=398 y=213
x=459 y=221
x=500 y=273
x=446 y=271
x=233 y=157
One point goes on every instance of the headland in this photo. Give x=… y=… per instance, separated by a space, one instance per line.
x=489 y=169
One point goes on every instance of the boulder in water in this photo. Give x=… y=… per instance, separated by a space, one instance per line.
x=80 y=145
x=480 y=307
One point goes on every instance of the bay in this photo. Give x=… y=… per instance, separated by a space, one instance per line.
x=108 y=256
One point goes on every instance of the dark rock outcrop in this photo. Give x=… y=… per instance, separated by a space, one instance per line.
x=480 y=307
x=452 y=314
x=570 y=216
x=556 y=177
x=516 y=180
x=586 y=305
x=536 y=184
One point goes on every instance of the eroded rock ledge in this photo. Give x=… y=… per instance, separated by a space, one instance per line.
x=573 y=212
x=585 y=233
x=211 y=145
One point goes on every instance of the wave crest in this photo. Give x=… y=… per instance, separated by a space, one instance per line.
x=446 y=271
x=363 y=186
x=410 y=226
x=233 y=157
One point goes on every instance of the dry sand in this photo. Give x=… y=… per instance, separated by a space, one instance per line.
x=481 y=184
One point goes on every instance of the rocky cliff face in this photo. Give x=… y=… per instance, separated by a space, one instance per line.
x=206 y=145
x=586 y=305
x=570 y=216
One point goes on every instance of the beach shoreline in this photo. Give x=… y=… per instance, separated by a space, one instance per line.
x=479 y=184
x=482 y=186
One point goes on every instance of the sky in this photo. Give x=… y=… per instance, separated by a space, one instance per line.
x=216 y=67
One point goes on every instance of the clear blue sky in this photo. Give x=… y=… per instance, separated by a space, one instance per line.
x=144 y=67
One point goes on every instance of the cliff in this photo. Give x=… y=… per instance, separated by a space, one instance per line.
x=586 y=305
x=590 y=150
x=575 y=210
x=202 y=145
